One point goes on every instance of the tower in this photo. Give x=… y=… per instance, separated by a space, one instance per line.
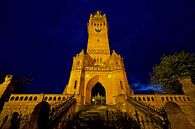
x=98 y=43
x=98 y=76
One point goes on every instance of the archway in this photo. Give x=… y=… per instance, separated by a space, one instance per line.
x=98 y=94
x=39 y=117
x=176 y=116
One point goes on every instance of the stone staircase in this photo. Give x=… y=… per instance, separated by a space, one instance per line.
x=101 y=118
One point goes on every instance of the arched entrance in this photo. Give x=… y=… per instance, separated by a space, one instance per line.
x=39 y=117
x=98 y=95
x=176 y=116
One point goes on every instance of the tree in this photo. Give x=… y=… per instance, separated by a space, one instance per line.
x=171 y=68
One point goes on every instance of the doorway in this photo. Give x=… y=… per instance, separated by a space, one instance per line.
x=98 y=95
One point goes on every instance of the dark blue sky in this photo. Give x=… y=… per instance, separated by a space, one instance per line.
x=39 y=38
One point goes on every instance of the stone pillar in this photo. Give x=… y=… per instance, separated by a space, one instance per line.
x=188 y=87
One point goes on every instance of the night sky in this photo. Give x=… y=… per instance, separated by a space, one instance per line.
x=39 y=38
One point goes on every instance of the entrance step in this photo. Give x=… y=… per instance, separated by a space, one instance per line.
x=101 y=118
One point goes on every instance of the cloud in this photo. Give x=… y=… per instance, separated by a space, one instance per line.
x=147 y=88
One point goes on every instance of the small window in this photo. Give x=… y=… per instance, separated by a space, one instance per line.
x=26 y=98
x=21 y=98
x=167 y=98
x=139 y=98
x=135 y=98
x=152 y=98
x=121 y=84
x=16 y=98
x=184 y=99
x=144 y=99
x=50 y=98
x=175 y=98
x=179 y=98
x=148 y=98
x=12 y=98
x=59 y=98
x=75 y=84
x=30 y=98
x=54 y=98
x=188 y=98
x=162 y=98
x=35 y=98
x=171 y=98
x=45 y=98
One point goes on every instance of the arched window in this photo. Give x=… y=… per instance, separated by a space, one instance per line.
x=139 y=98
x=45 y=98
x=30 y=98
x=162 y=98
x=121 y=84
x=144 y=99
x=75 y=84
x=167 y=98
x=152 y=98
x=171 y=98
x=21 y=98
x=188 y=98
x=59 y=98
x=184 y=99
x=26 y=98
x=148 y=98
x=179 y=98
x=54 y=98
x=35 y=98
x=50 y=98
x=12 y=98
x=16 y=98
x=100 y=59
x=175 y=98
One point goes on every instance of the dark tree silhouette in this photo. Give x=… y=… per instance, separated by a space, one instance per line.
x=171 y=68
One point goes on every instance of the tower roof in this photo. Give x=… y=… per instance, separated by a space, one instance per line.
x=98 y=15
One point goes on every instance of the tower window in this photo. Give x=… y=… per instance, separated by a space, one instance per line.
x=78 y=62
x=75 y=84
x=121 y=84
